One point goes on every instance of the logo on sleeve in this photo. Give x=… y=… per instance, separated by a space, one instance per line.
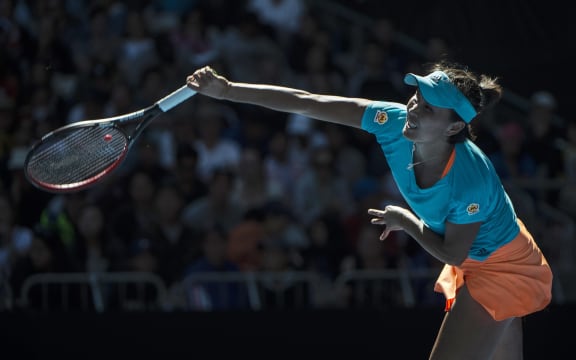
x=481 y=252
x=473 y=208
x=381 y=117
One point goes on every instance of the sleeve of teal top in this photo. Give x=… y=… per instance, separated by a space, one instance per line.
x=385 y=120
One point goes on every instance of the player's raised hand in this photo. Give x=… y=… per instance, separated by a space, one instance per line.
x=206 y=81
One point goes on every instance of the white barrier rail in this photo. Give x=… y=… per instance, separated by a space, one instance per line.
x=94 y=291
x=252 y=290
x=215 y=291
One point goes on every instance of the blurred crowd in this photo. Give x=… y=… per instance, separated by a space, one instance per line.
x=217 y=186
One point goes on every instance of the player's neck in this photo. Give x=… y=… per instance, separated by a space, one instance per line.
x=431 y=154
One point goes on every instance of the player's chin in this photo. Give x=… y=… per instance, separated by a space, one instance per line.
x=409 y=133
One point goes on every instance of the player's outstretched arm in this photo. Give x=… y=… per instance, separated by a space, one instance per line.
x=330 y=108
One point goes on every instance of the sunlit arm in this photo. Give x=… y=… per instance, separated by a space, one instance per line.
x=335 y=109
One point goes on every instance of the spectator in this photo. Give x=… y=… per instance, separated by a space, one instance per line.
x=132 y=224
x=192 y=40
x=282 y=230
x=185 y=173
x=369 y=255
x=246 y=50
x=245 y=241
x=568 y=146
x=349 y=162
x=28 y=202
x=328 y=246
x=177 y=245
x=95 y=45
x=320 y=73
x=57 y=226
x=214 y=295
x=97 y=243
x=282 y=16
x=252 y=188
x=543 y=137
x=15 y=239
x=218 y=207
x=214 y=150
x=137 y=51
x=269 y=227
x=512 y=160
x=567 y=193
x=378 y=76
x=303 y=138
x=280 y=171
x=321 y=189
x=44 y=256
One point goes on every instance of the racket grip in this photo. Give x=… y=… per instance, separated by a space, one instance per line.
x=175 y=98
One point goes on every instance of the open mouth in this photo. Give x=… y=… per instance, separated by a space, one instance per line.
x=410 y=124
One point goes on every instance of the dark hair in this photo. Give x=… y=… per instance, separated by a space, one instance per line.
x=482 y=91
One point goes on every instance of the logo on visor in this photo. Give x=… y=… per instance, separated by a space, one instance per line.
x=473 y=208
x=438 y=77
x=381 y=117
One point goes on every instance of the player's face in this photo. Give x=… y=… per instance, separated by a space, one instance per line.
x=426 y=123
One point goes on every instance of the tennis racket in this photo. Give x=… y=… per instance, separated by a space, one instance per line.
x=78 y=155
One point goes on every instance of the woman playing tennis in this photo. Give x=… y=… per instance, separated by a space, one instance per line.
x=494 y=272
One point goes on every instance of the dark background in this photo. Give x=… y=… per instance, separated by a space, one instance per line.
x=528 y=44
x=391 y=334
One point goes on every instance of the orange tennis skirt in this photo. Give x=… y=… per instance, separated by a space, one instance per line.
x=516 y=279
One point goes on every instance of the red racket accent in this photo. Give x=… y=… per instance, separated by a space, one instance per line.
x=76 y=157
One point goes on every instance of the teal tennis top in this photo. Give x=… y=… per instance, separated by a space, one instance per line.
x=470 y=192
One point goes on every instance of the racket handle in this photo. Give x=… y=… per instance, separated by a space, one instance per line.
x=175 y=98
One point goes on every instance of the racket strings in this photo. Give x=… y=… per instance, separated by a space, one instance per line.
x=77 y=156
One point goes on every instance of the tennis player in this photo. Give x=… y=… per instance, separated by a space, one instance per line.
x=494 y=272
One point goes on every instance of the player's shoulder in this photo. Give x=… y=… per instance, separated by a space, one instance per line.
x=379 y=113
x=475 y=171
x=388 y=106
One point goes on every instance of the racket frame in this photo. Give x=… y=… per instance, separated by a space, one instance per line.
x=140 y=118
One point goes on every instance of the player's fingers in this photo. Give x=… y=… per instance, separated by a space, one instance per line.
x=376 y=212
x=211 y=71
x=384 y=234
x=206 y=73
x=379 y=219
x=192 y=83
x=198 y=79
x=191 y=80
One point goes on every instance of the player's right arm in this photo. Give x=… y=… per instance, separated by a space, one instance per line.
x=336 y=109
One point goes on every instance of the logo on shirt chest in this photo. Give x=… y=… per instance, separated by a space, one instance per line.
x=381 y=117
x=473 y=208
x=481 y=252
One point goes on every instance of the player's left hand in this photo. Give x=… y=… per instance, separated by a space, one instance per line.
x=391 y=217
